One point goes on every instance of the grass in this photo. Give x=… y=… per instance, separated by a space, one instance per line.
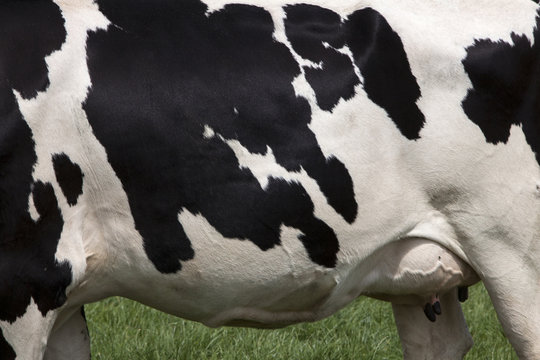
x=122 y=329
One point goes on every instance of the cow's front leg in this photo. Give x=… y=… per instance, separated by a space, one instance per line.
x=446 y=339
x=69 y=339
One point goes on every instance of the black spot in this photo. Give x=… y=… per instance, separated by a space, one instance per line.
x=69 y=176
x=167 y=69
x=308 y=28
x=6 y=351
x=27 y=263
x=377 y=51
x=505 y=87
x=28 y=269
x=388 y=81
x=28 y=31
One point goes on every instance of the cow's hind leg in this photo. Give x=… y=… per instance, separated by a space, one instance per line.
x=69 y=339
x=505 y=254
x=446 y=339
x=515 y=293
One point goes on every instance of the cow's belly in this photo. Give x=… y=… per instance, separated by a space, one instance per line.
x=407 y=272
x=274 y=293
x=232 y=281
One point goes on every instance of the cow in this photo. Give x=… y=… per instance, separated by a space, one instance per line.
x=265 y=162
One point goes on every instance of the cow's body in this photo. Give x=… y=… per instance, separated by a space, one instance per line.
x=265 y=165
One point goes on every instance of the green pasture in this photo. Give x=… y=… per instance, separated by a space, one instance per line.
x=121 y=329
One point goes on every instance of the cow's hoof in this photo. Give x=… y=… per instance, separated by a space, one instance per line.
x=430 y=313
x=463 y=293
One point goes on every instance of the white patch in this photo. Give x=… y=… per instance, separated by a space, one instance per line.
x=265 y=167
x=223 y=266
x=346 y=51
x=32 y=209
x=303 y=88
x=280 y=35
x=208 y=132
x=28 y=334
